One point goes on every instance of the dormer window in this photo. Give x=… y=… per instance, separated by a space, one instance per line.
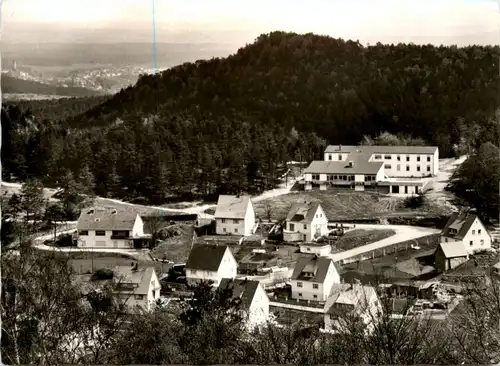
x=97 y=219
x=90 y=212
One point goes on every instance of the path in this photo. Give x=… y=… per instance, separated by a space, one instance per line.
x=403 y=233
x=437 y=185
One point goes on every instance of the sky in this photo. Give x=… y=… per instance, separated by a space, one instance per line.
x=241 y=21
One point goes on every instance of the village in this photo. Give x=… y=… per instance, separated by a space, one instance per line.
x=308 y=264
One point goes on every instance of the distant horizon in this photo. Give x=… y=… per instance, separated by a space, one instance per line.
x=446 y=22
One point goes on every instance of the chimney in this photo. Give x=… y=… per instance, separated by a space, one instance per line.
x=340 y=147
x=113 y=212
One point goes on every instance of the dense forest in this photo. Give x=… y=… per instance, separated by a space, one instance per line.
x=229 y=124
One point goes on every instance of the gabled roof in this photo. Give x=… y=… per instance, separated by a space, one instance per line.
x=360 y=166
x=206 y=257
x=139 y=279
x=413 y=267
x=347 y=294
x=107 y=218
x=232 y=207
x=302 y=212
x=242 y=289
x=460 y=222
x=381 y=149
x=453 y=249
x=316 y=265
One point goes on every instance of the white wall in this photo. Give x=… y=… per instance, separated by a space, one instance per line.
x=477 y=237
x=249 y=219
x=435 y=160
x=132 y=301
x=227 y=269
x=380 y=174
x=319 y=222
x=318 y=250
x=229 y=227
x=93 y=241
x=307 y=291
x=332 y=277
x=259 y=308
x=138 y=229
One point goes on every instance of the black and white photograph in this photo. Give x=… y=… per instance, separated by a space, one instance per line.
x=279 y=182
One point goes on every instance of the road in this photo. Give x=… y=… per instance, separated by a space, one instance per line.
x=403 y=233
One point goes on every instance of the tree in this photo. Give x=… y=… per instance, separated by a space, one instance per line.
x=268 y=210
x=153 y=224
x=53 y=214
x=86 y=181
x=32 y=199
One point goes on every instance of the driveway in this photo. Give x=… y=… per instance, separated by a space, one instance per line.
x=403 y=233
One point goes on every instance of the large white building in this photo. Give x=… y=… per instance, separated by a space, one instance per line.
x=254 y=302
x=108 y=227
x=305 y=221
x=466 y=229
x=234 y=215
x=210 y=262
x=399 y=170
x=313 y=278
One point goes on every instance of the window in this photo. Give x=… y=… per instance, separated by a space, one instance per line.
x=399 y=158
x=83 y=233
x=315 y=176
x=387 y=166
x=236 y=221
x=100 y=233
x=387 y=157
x=305 y=226
x=299 y=284
x=473 y=232
x=479 y=231
x=418 y=168
x=223 y=221
x=308 y=249
x=315 y=296
x=471 y=243
x=235 y=230
x=407 y=157
x=335 y=177
x=406 y=189
x=340 y=156
x=292 y=227
x=300 y=294
x=418 y=158
x=407 y=168
x=154 y=293
x=428 y=168
x=315 y=285
x=330 y=157
x=428 y=158
x=224 y=229
x=482 y=242
x=398 y=168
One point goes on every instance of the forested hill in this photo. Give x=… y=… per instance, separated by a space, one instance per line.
x=338 y=89
x=228 y=125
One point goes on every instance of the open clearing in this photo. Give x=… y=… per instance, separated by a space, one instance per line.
x=346 y=206
x=176 y=247
x=359 y=237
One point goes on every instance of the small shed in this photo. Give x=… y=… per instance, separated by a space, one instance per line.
x=320 y=249
x=450 y=255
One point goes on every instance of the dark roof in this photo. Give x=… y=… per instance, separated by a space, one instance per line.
x=242 y=289
x=316 y=265
x=382 y=149
x=302 y=212
x=206 y=257
x=360 y=166
x=232 y=207
x=453 y=249
x=107 y=218
x=461 y=222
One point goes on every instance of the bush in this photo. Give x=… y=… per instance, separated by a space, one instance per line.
x=414 y=201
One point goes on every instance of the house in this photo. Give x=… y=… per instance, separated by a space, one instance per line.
x=313 y=278
x=450 y=255
x=305 y=221
x=254 y=303
x=496 y=268
x=210 y=262
x=348 y=300
x=397 y=170
x=137 y=286
x=319 y=249
x=108 y=227
x=234 y=215
x=468 y=229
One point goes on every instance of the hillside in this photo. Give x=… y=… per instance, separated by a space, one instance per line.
x=15 y=85
x=228 y=125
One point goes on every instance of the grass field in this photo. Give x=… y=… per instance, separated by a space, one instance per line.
x=345 y=206
x=176 y=248
x=359 y=237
